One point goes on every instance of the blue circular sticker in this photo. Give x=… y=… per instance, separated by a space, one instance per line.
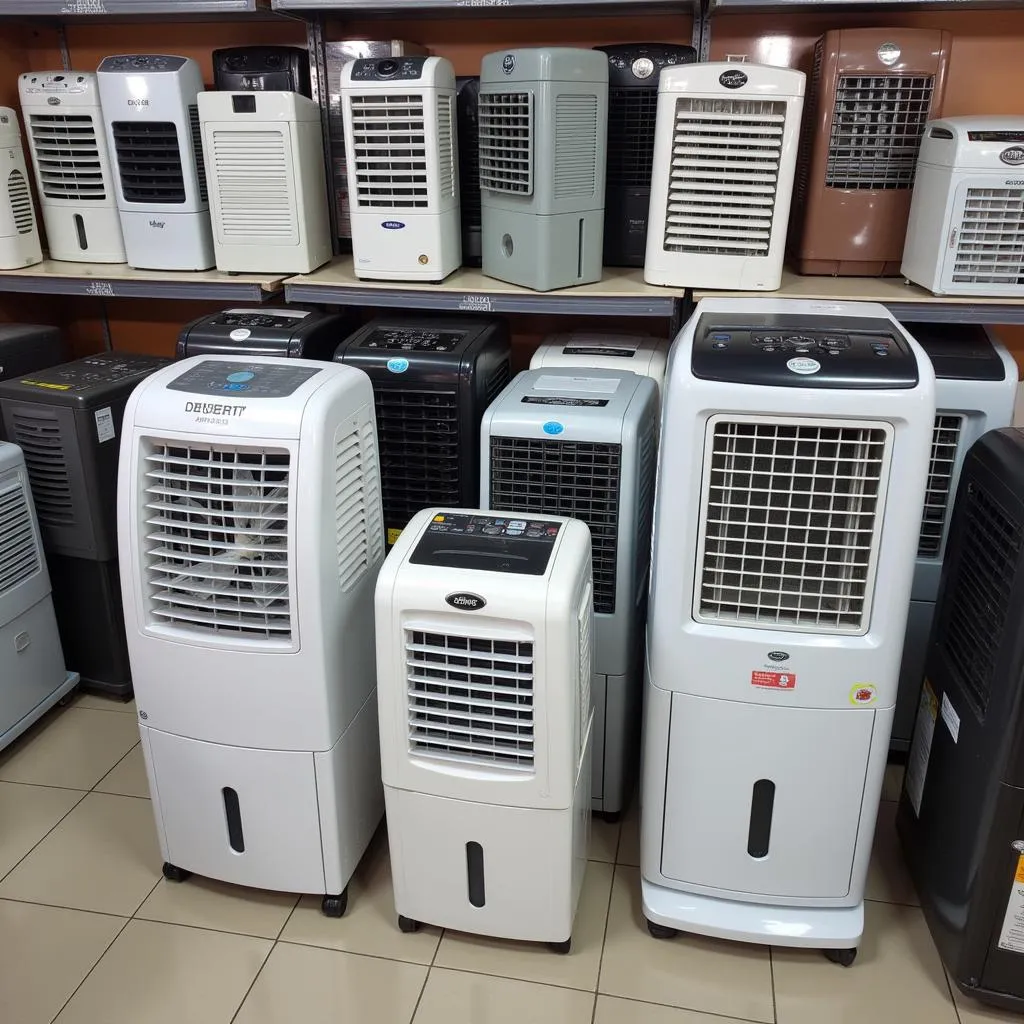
x=241 y=377
x=553 y=427
x=398 y=365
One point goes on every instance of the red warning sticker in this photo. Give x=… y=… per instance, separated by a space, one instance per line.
x=774 y=680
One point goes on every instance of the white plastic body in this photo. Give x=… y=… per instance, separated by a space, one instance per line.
x=19 y=233
x=646 y=355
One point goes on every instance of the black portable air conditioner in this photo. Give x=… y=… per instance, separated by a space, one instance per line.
x=432 y=377
x=467 y=96
x=67 y=421
x=25 y=348
x=961 y=814
x=289 y=333
x=633 y=73
x=261 y=69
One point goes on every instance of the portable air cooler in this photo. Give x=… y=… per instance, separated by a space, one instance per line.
x=67 y=420
x=19 y=235
x=965 y=235
x=250 y=537
x=724 y=155
x=794 y=452
x=583 y=443
x=487 y=774
x=261 y=69
x=31 y=663
x=64 y=125
x=403 y=179
x=265 y=331
x=638 y=353
x=25 y=348
x=467 y=103
x=961 y=814
x=975 y=388
x=870 y=94
x=152 y=126
x=543 y=129
x=266 y=180
x=633 y=72
x=433 y=377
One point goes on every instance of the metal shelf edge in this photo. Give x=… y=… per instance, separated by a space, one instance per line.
x=957 y=312
x=100 y=289
x=90 y=8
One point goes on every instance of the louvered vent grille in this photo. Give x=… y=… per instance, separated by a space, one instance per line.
x=19 y=552
x=648 y=464
x=149 y=161
x=496 y=383
x=979 y=592
x=356 y=505
x=251 y=178
x=808 y=127
x=724 y=176
x=990 y=244
x=196 y=128
x=21 y=202
x=470 y=699
x=945 y=441
x=389 y=138
x=791 y=514
x=42 y=444
x=445 y=147
x=469 y=165
x=585 y=669
x=631 y=117
x=67 y=156
x=506 y=142
x=419 y=451
x=575 y=146
x=579 y=479
x=877 y=125
x=215 y=546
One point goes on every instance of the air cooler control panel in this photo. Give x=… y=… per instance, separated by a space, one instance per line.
x=487 y=543
x=388 y=69
x=253 y=380
x=803 y=351
x=142 y=62
x=959 y=351
x=406 y=339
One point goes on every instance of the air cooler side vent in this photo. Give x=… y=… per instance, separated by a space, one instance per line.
x=990 y=240
x=576 y=145
x=67 y=156
x=356 y=505
x=196 y=128
x=251 y=178
x=445 y=147
x=19 y=550
x=808 y=128
x=506 y=142
x=149 y=161
x=585 y=670
x=389 y=144
x=647 y=474
x=20 y=199
x=42 y=444
x=632 y=114
x=942 y=462
x=497 y=381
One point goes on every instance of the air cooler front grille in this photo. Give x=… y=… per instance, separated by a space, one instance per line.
x=791 y=514
x=566 y=478
x=990 y=243
x=506 y=142
x=631 y=117
x=389 y=139
x=469 y=166
x=877 y=125
x=979 y=592
x=945 y=441
x=575 y=146
x=19 y=552
x=215 y=543
x=67 y=156
x=356 y=505
x=149 y=161
x=724 y=176
x=42 y=443
x=470 y=699
x=20 y=198
x=252 y=184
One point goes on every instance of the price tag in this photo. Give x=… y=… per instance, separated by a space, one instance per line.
x=103 y=289
x=476 y=304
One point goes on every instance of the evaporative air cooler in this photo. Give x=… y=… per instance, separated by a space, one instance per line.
x=638 y=353
x=870 y=93
x=64 y=125
x=975 y=388
x=483 y=662
x=583 y=443
x=794 y=454
x=543 y=131
x=152 y=123
x=261 y=69
x=19 y=234
x=265 y=331
x=266 y=180
x=725 y=152
x=433 y=377
x=403 y=176
x=25 y=348
x=633 y=73
x=965 y=235
x=961 y=813
x=467 y=112
x=67 y=420
x=250 y=537
x=31 y=664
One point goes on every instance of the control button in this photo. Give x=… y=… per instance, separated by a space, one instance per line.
x=802 y=350
x=721 y=337
x=881 y=351
x=720 y=344
x=799 y=339
x=386 y=68
x=768 y=348
x=767 y=339
x=241 y=377
x=236 y=387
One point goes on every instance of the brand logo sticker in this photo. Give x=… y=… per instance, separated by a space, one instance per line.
x=553 y=427
x=803 y=365
x=732 y=79
x=398 y=364
x=888 y=54
x=392 y=225
x=863 y=694
x=1012 y=155
x=465 y=601
x=54 y=101
x=778 y=655
x=508 y=64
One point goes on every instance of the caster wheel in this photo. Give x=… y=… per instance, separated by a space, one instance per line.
x=175 y=874
x=845 y=957
x=335 y=906
x=660 y=931
x=407 y=925
x=561 y=947
x=611 y=817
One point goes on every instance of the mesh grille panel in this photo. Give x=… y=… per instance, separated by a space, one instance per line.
x=724 y=176
x=389 y=138
x=990 y=245
x=21 y=202
x=945 y=441
x=42 y=444
x=496 y=383
x=19 y=552
x=469 y=157
x=251 y=179
x=470 y=699
x=67 y=156
x=808 y=125
x=631 y=117
x=506 y=142
x=575 y=146
x=791 y=514
x=648 y=463
x=149 y=161
x=356 y=505
x=579 y=479
x=877 y=126
x=195 y=126
x=216 y=540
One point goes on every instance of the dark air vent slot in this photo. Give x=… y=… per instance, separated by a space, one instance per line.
x=631 y=117
x=762 y=806
x=43 y=446
x=497 y=383
x=21 y=202
x=149 y=161
x=197 y=145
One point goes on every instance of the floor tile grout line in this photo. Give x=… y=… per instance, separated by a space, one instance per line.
x=604 y=941
x=43 y=838
x=60 y=906
x=47 y=785
x=252 y=984
x=509 y=977
x=681 y=1009
x=771 y=974
x=113 y=767
x=952 y=996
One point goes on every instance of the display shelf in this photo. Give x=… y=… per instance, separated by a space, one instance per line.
x=853 y=6
x=116 y=8
x=117 y=280
x=619 y=293
x=484 y=7
x=905 y=301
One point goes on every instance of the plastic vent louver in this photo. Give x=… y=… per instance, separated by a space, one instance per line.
x=585 y=670
x=648 y=466
x=196 y=128
x=990 y=242
x=251 y=178
x=496 y=383
x=724 y=176
x=20 y=199
x=945 y=442
x=445 y=147
x=470 y=699
x=506 y=142
x=575 y=146
x=149 y=161
x=67 y=156
x=356 y=505
x=42 y=445
x=19 y=551
x=631 y=117
x=389 y=139
x=791 y=514
x=808 y=126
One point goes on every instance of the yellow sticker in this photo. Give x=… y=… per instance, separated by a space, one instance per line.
x=1020 y=870
x=863 y=694
x=45 y=384
x=393 y=535
x=438 y=519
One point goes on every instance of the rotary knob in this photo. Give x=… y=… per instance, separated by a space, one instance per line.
x=642 y=67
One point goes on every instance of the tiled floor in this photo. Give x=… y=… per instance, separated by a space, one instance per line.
x=90 y=933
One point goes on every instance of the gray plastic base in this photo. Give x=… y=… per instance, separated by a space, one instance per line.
x=617 y=702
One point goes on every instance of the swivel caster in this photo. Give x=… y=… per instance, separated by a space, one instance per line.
x=661 y=931
x=175 y=874
x=335 y=906
x=407 y=925
x=561 y=947
x=844 y=957
x=611 y=817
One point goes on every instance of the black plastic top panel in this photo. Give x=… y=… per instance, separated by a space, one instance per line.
x=388 y=69
x=140 y=63
x=413 y=339
x=638 y=65
x=486 y=543
x=959 y=351
x=95 y=379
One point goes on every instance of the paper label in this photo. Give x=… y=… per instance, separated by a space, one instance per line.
x=773 y=680
x=476 y=304
x=951 y=718
x=597 y=385
x=393 y=535
x=921 y=746
x=1012 y=936
x=105 y=425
